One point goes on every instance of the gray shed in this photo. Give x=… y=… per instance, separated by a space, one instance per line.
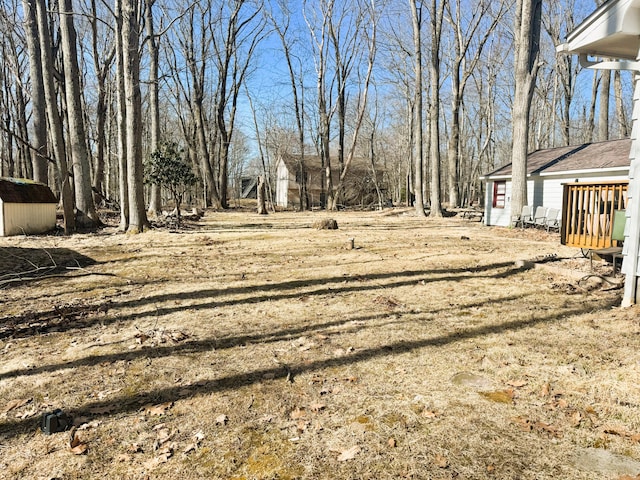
x=26 y=207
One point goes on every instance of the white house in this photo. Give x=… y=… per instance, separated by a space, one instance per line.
x=26 y=207
x=359 y=184
x=612 y=31
x=549 y=169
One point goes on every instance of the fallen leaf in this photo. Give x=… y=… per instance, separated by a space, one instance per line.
x=616 y=431
x=629 y=477
x=576 y=418
x=192 y=447
x=159 y=409
x=13 y=404
x=524 y=423
x=76 y=446
x=302 y=425
x=499 y=396
x=548 y=428
x=517 y=383
x=546 y=390
x=87 y=425
x=222 y=419
x=441 y=461
x=297 y=414
x=163 y=435
x=80 y=449
x=134 y=448
x=124 y=458
x=349 y=453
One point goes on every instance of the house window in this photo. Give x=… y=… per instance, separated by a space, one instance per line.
x=499 y=194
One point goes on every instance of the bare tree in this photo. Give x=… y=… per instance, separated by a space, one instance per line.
x=416 y=18
x=196 y=48
x=437 y=14
x=154 y=103
x=369 y=27
x=53 y=114
x=320 y=41
x=558 y=19
x=236 y=33
x=621 y=114
x=130 y=44
x=86 y=214
x=468 y=44
x=102 y=66
x=603 y=113
x=281 y=27
x=38 y=106
x=527 y=45
x=123 y=184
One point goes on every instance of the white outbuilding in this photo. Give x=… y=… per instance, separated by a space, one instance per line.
x=26 y=207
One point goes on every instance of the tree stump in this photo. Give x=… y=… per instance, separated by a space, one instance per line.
x=326 y=224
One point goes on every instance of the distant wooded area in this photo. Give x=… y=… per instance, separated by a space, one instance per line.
x=423 y=93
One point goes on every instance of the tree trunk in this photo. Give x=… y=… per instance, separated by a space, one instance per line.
x=133 y=110
x=603 y=114
x=155 y=204
x=527 y=39
x=86 y=214
x=122 y=116
x=591 y=121
x=416 y=17
x=262 y=207
x=38 y=105
x=55 y=123
x=437 y=11
x=621 y=116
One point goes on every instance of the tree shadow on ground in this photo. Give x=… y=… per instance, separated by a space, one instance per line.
x=85 y=315
x=124 y=404
x=207 y=344
x=19 y=264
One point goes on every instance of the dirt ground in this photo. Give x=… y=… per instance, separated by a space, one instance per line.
x=258 y=347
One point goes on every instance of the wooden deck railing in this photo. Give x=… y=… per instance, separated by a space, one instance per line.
x=588 y=211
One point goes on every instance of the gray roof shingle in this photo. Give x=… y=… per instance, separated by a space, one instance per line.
x=589 y=156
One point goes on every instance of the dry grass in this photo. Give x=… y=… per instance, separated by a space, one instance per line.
x=249 y=347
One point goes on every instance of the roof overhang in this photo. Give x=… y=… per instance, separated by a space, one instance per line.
x=612 y=31
x=590 y=171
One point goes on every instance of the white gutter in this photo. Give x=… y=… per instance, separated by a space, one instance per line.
x=585 y=172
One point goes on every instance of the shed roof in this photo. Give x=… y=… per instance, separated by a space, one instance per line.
x=21 y=190
x=607 y=155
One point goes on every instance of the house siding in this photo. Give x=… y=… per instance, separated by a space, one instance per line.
x=283 y=178
x=545 y=191
x=27 y=218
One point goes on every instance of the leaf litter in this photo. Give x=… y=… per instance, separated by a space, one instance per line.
x=210 y=350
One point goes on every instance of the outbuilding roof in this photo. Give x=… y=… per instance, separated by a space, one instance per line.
x=21 y=190
x=612 y=154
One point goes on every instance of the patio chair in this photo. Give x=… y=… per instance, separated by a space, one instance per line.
x=539 y=217
x=524 y=216
x=552 y=220
x=617 y=234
